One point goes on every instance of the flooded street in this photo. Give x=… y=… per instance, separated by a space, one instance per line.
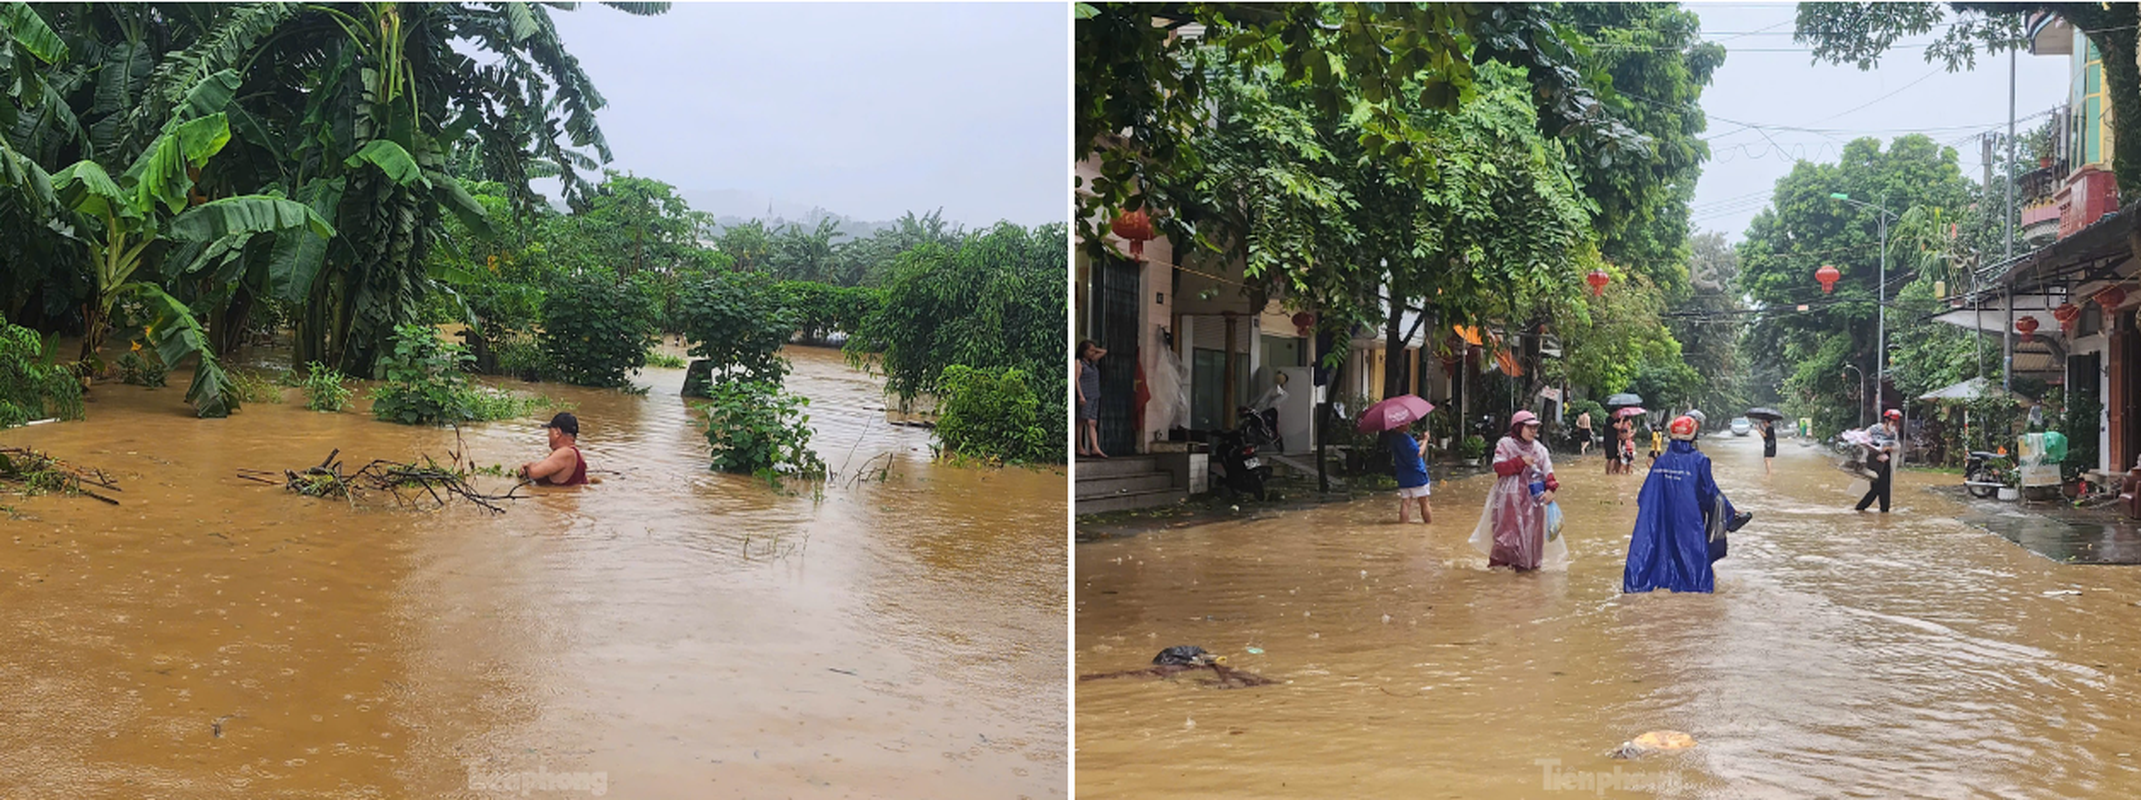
x=1842 y=655
x=680 y=632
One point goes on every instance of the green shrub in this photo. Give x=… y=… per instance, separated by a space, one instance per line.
x=486 y=404
x=755 y=427
x=992 y=413
x=736 y=321
x=252 y=387
x=324 y=390
x=137 y=369
x=424 y=382
x=521 y=357
x=1473 y=448
x=31 y=386
x=657 y=358
x=595 y=333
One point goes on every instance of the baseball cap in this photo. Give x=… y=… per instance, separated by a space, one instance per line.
x=566 y=422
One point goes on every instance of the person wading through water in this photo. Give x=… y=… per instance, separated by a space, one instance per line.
x=564 y=466
x=1883 y=443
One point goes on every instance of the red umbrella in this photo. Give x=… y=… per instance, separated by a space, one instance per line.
x=1394 y=413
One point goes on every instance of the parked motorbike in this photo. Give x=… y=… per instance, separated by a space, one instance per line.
x=1985 y=473
x=1235 y=464
x=1261 y=427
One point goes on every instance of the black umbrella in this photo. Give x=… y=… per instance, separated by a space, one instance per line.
x=1765 y=412
x=1624 y=399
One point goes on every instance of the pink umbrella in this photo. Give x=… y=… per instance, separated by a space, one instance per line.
x=1629 y=412
x=1394 y=413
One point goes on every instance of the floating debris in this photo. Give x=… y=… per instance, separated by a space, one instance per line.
x=408 y=483
x=1653 y=741
x=32 y=472
x=1187 y=658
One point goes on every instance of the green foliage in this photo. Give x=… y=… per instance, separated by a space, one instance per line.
x=1916 y=179
x=2082 y=421
x=996 y=302
x=31 y=386
x=136 y=369
x=659 y=359
x=424 y=382
x=324 y=389
x=1473 y=448
x=992 y=414
x=819 y=310
x=595 y=333
x=755 y=427
x=736 y=320
x=252 y=387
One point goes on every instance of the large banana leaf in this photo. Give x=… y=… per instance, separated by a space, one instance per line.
x=252 y=213
x=297 y=256
x=177 y=335
x=30 y=182
x=86 y=187
x=451 y=194
x=391 y=158
x=211 y=95
x=161 y=175
x=22 y=24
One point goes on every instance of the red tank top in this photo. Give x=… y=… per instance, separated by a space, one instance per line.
x=579 y=471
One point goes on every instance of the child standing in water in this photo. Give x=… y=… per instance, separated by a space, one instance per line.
x=1408 y=457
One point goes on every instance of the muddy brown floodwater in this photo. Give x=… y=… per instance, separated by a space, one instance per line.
x=1842 y=655
x=671 y=632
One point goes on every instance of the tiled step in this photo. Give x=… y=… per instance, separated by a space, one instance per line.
x=1130 y=501
x=1104 y=485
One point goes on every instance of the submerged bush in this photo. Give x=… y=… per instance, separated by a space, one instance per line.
x=324 y=390
x=992 y=414
x=137 y=369
x=737 y=322
x=755 y=427
x=31 y=386
x=595 y=333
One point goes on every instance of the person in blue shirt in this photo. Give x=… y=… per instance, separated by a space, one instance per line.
x=1409 y=459
x=1679 y=513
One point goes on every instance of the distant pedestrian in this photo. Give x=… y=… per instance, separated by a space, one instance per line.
x=1408 y=458
x=1085 y=374
x=1881 y=445
x=1623 y=457
x=1583 y=429
x=1512 y=529
x=1769 y=446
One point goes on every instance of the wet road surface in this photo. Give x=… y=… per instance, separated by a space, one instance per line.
x=681 y=632
x=1843 y=655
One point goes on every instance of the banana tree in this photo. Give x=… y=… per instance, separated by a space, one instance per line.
x=137 y=218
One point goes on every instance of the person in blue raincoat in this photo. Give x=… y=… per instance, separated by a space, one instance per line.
x=1679 y=512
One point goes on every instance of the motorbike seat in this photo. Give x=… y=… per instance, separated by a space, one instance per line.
x=1984 y=454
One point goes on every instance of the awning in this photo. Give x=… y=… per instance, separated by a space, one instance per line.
x=1966 y=391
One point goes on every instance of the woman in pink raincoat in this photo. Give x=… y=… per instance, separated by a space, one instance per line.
x=1512 y=530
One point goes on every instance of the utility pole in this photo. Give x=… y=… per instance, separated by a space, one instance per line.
x=2008 y=220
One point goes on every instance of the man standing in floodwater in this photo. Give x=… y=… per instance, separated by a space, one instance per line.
x=564 y=466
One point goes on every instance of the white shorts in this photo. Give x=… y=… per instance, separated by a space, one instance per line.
x=1416 y=491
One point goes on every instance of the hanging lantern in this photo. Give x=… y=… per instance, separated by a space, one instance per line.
x=1598 y=280
x=1828 y=277
x=2111 y=298
x=1135 y=226
x=1304 y=322
x=2027 y=326
x=2067 y=313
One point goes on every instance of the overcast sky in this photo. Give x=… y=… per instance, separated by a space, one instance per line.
x=1902 y=95
x=868 y=110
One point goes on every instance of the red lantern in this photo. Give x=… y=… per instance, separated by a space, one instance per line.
x=1828 y=277
x=1136 y=226
x=2111 y=298
x=2067 y=313
x=1303 y=321
x=1598 y=280
x=2027 y=325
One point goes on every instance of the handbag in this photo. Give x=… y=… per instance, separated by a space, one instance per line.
x=1719 y=545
